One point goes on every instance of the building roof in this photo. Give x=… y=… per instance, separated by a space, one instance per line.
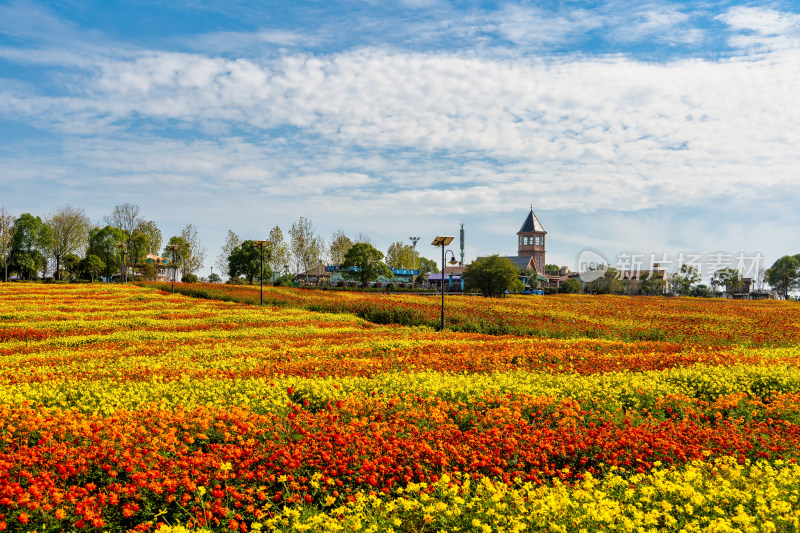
x=522 y=262
x=531 y=224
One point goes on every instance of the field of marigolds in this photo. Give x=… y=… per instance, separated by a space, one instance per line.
x=128 y=408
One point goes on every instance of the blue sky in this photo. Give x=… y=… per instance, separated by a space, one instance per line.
x=653 y=127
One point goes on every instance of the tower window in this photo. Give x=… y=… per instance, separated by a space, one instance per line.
x=539 y=240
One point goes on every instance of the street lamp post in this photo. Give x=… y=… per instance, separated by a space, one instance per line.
x=442 y=242
x=174 y=249
x=414 y=245
x=211 y=276
x=261 y=244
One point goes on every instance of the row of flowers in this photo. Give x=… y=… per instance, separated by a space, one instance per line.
x=684 y=320
x=122 y=408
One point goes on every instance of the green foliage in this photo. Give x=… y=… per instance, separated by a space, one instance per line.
x=728 y=278
x=214 y=278
x=552 y=269
x=103 y=244
x=784 y=274
x=492 y=275
x=652 y=284
x=516 y=286
x=91 y=266
x=189 y=278
x=700 y=291
x=71 y=264
x=426 y=266
x=176 y=257
x=366 y=262
x=30 y=245
x=684 y=279
x=400 y=255
x=609 y=283
x=571 y=286
x=340 y=243
x=245 y=260
x=285 y=280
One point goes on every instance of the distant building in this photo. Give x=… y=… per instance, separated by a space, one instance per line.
x=531 y=238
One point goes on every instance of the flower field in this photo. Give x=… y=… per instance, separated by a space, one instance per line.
x=127 y=408
x=683 y=320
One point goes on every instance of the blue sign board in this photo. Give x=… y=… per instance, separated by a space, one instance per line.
x=395 y=271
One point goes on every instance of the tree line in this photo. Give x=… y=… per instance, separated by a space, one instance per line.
x=304 y=250
x=66 y=245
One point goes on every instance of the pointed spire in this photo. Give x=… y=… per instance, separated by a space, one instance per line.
x=531 y=224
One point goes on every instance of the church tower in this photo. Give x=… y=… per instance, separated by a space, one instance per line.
x=531 y=241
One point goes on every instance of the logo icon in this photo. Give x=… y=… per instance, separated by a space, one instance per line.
x=592 y=265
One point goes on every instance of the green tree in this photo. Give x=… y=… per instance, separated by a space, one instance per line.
x=700 y=291
x=728 y=278
x=30 y=244
x=103 y=244
x=784 y=274
x=245 y=260
x=91 y=266
x=195 y=253
x=400 y=255
x=340 y=243
x=138 y=248
x=153 y=234
x=231 y=242
x=571 y=286
x=426 y=266
x=552 y=269
x=214 y=278
x=492 y=275
x=70 y=227
x=177 y=256
x=609 y=283
x=652 y=284
x=684 y=279
x=71 y=263
x=278 y=250
x=364 y=263
x=306 y=247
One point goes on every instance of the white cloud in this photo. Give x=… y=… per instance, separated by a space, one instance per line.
x=760 y=27
x=623 y=133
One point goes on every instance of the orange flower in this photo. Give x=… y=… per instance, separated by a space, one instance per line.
x=61 y=514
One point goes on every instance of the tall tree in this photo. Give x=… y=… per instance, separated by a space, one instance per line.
x=103 y=244
x=245 y=260
x=278 y=250
x=340 y=243
x=306 y=247
x=784 y=274
x=91 y=266
x=426 y=266
x=125 y=217
x=6 y=233
x=728 y=278
x=149 y=229
x=196 y=253
x=177 y=256
x=684 y=279
x=30 y=244
x=492 y=275
x=231 y=242
x=70 y=227
x=364 y=263
x=400 y=255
